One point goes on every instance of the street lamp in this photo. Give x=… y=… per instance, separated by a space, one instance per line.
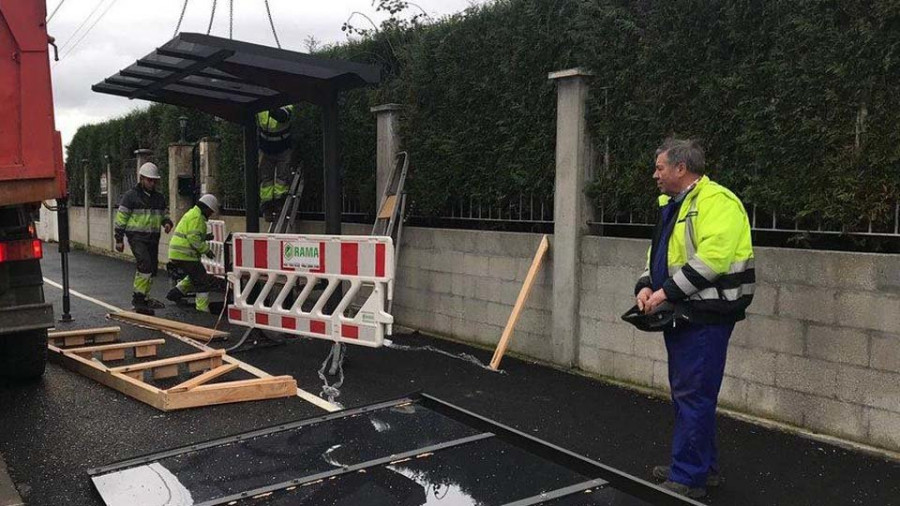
x=182 y=122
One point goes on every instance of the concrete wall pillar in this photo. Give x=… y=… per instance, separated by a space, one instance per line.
x=387 y=117
x=141 y=156
x=209 y=166
x=571 y=210
x=180 y=157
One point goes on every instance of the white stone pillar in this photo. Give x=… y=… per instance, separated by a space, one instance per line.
x=209 y=166
x=571 y=209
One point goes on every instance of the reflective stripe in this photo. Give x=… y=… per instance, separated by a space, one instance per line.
x=185 y=286
x=689 y=245
x=142 y=283
x=123 y=209
x=706 y=294
x=201 y=302
x=683 y=283
x=737 y=293
x=741 y=266
x=702 y=269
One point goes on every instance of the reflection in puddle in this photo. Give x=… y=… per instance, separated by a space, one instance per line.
x=442 y=494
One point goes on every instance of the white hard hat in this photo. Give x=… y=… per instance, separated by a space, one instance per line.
x=210 y=201
x=149 y=170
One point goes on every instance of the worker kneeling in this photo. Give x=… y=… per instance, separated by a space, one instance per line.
x=189 y=242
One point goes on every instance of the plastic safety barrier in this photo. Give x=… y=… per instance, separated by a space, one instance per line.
x=215 y=266
x=275 y=278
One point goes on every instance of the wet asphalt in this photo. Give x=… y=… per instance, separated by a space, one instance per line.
x=56 y=429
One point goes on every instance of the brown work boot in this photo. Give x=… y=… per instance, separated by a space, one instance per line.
x=713 y=479
x=682 y=489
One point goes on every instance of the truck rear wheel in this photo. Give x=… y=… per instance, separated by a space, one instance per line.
x=23 y=355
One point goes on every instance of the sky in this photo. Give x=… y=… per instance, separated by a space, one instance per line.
x=97 y=38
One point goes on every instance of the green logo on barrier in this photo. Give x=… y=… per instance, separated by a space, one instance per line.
x=288 y=251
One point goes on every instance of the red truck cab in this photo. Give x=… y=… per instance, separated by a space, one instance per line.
x=31 y=171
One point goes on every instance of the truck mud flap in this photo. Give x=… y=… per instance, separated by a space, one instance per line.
x=414 y=450
x=27 y=317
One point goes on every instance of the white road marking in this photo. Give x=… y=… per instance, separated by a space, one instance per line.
x=306 y=396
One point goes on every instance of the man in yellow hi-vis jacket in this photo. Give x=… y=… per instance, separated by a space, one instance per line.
x=189 y=242
x=700 y=261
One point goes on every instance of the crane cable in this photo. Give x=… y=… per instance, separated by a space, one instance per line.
x=272 y=23
x=211 y=17
x=181 y=18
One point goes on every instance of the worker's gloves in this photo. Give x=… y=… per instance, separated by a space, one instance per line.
x=120 y=246
x=210 y=237
x=210 y=255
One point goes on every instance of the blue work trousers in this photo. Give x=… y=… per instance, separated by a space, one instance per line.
x=696 y=365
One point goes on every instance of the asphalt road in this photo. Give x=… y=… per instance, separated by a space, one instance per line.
x=56 y=429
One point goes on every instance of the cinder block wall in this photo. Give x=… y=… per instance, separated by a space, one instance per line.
x=463 y=283
x=820 y=349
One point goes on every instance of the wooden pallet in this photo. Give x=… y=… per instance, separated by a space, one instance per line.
x=84 y=336
x=196 y=391
x=193 y=331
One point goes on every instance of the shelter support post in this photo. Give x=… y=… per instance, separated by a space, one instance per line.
x=331 y=156
x=571 y=211
x=251 y=176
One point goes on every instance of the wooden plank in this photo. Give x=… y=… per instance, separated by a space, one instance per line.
x=193 y=331
x=115 y=346
x=181 y=359
x=111 y=355
x=204 y=378
x=232 y=391
x=387 y=210
x=203 y=365
x=303 y=394
x=129 y=386
x=520 y=302
x=84 y=332
x=166 y=371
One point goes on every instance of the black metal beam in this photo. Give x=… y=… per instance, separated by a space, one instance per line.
x=362 y=466
x=345 y=413
x=199 y=86
x=169 y=67
x=582 y=465
x=251 y=175
x=331 y=157
x=189 y=70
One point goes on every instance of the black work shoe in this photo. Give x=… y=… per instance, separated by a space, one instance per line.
x=661 y=473
x=174 y=295
x=140 y=306
x=682 y=489
x=155 y=304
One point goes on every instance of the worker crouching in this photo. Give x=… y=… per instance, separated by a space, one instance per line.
x=188 y=244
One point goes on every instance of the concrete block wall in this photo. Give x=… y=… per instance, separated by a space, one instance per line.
x=820 y=348
x=463 y=284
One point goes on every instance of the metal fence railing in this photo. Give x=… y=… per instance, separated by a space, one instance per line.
x=768 y=221
x=521 y=208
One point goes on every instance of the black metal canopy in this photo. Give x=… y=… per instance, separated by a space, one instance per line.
x=233 y=79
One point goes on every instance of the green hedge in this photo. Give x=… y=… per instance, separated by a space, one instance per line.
x=774 y=90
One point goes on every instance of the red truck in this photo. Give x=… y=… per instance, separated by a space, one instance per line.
x=31 y=171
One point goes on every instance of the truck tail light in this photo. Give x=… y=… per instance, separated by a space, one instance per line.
x=29 y=249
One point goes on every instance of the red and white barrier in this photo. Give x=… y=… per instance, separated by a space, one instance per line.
x=274 y=275
x=215 y=266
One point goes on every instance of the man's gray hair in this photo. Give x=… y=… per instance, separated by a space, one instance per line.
x=687 y=151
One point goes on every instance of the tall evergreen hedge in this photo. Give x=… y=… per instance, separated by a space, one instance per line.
x=796 y=101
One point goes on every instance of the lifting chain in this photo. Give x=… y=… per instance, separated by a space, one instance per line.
x=181 y=18
x=272 y=24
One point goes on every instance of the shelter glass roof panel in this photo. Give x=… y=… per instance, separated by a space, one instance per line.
x=234 y=79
